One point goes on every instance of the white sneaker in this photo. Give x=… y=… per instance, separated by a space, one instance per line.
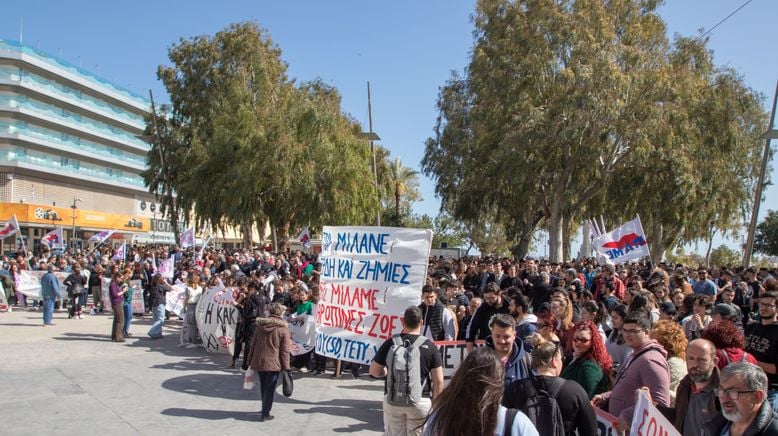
x=80 y=317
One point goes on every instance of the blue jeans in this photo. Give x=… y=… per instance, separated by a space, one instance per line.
x=48 y=310
x=159 y=318
x=267 y=388
x=127 y=318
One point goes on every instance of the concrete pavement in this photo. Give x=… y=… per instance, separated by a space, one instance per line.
x=71 y=379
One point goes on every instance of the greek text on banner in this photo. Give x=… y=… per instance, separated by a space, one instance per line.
x=370 y=275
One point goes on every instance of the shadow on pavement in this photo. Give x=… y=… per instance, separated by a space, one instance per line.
x=83 y=337
x=226 y=386
x=370 y=413
x=212 y=414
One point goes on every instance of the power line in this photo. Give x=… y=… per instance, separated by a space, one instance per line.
x=726 y=18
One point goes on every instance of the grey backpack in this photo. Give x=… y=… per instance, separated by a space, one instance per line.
x=403 y=379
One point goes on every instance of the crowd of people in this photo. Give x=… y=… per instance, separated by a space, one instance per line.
x=703 y=342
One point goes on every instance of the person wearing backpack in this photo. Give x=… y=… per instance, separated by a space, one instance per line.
x=407 y=360
x=554 y=405
x=477 y=381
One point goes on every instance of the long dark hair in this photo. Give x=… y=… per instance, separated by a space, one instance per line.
x=477 y=382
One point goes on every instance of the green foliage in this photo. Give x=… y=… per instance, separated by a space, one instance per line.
x=766 y=236
x=254 y=145
x=568 y=105
x=723 y=256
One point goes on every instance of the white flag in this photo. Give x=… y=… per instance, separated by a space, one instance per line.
x=121 y=253
x=11 y=228
x=623 y=244
x=187 y=238
x=53 y=239
x=167 y=267
x=202 y=249
x=305 y=238
x=101 y=237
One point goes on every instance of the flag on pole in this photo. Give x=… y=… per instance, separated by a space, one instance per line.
x=167 y=267
x=121 y=253
x=305 y=238
x=625 y=243
x=202 y=249
x=12 y=227
x=101 y=237
x=54 y=239
x=187 y=238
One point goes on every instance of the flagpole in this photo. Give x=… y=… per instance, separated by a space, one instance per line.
x=648 y=247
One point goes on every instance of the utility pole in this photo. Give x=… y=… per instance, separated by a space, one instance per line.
x=372 y=151
x=771 y=134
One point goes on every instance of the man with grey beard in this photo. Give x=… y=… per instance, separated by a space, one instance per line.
x=696 y=401
x=744 y=407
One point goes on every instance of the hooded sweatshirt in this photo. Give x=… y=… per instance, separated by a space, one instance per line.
x=517 y=366
x=646 y=367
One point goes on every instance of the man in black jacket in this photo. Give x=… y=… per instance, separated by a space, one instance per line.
x=438 y=320
x=494 y=303
x=744 y=406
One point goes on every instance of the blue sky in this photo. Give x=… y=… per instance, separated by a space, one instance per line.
x=406 y=49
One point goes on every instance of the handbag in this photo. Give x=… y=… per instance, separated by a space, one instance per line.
x=287 y=383
x=249 y=379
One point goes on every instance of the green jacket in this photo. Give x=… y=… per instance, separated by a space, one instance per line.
x=588 y=374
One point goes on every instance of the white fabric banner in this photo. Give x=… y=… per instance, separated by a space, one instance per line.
x=29 y=283
x=167 y=268
x=175 y=300
x=303 y=331
x=648 y=420
x=370 y=275
x=623 y=244
x=217 y=319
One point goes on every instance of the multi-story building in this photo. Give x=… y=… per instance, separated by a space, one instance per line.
x=70 y=154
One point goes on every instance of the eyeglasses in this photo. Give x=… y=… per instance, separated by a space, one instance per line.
x=542 y=325
x=631 y=331
x=732 y=394
x=582 y=340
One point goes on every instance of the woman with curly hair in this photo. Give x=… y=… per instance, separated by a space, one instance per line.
x=478 y=382
x=591 y=364
x=729 y=341
x=671 y=336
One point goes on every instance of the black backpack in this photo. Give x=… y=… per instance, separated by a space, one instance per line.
x=541 y=407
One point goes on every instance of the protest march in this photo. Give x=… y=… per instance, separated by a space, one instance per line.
x=604 y=345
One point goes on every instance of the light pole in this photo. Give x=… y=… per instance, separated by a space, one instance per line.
x=73 y=235
x=372 y=136
x=772 y=133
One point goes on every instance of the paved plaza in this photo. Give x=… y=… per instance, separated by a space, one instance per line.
x=70 y=379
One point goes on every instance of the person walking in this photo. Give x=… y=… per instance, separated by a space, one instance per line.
x=478 y=381
x=50 y=292
x=269 y=355
x=159 y=290
x=116 y=294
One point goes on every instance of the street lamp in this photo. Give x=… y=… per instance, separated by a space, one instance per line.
x=372 y=136
x=73 y=235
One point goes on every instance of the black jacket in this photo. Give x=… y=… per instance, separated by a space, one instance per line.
x=765 y=423
x=479 y=324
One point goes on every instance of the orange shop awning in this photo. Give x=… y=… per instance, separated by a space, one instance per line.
x=63 y=216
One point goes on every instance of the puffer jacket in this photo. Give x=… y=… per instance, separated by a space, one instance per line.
x=518 y=366
x=765 y=423
x=647 y=367
x=271 y=345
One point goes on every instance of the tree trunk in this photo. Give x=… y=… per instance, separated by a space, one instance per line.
x=586 y=246
x=397 y=204
x=555 y=222
x=521 y=249
x=246 y=231
x=283 y=237
x=566 y=230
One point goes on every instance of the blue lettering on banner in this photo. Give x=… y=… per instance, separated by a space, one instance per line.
x=375 y=270
x=327 y=266
x=348 y=349
x=361 y=243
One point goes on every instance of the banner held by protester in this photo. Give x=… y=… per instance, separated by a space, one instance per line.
x=370 y=275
